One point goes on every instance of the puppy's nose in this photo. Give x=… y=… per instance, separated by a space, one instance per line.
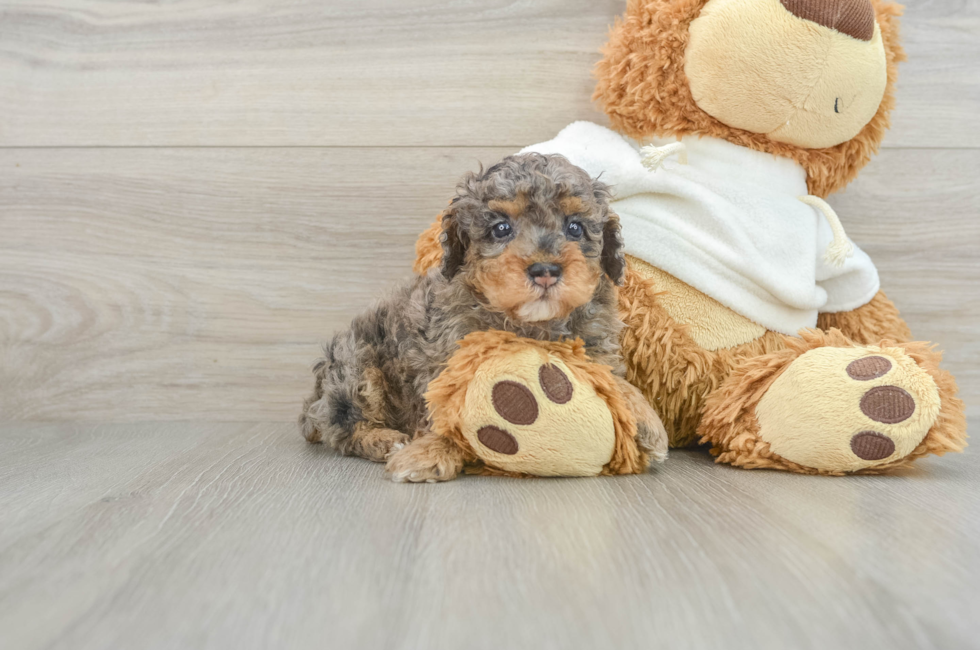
x=544 y=275
x=852 y=17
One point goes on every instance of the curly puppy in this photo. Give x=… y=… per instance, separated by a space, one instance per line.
x=529 y=246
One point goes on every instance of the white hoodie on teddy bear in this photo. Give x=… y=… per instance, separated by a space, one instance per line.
x=733 y=223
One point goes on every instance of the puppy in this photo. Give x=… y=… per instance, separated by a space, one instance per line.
x=529 y=246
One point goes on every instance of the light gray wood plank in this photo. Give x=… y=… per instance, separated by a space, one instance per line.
x=251 y=539
x=296 y=72
x=373 y=72
x=939 y=86
x=202 y=281
x=51 y=472
x=196 y=284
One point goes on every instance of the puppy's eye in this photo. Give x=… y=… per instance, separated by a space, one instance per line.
x=574 y=230
x=502 y=230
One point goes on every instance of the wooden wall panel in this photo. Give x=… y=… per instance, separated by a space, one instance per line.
x=146 y=284
x=372 y=72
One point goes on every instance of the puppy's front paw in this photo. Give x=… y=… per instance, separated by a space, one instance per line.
x=378 y=444
x=429 y=459
x=651 y=436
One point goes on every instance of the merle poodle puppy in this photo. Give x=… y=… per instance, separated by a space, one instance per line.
x=529 y=246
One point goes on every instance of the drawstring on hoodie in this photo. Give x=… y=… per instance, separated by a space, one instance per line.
x=653 y=156
x=840 y=249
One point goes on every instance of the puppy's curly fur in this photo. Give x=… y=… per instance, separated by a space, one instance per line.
x=526 y=210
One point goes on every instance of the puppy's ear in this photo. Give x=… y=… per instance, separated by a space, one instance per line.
x=454 y=242
x=613 y=260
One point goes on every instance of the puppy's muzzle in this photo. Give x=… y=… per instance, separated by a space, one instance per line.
x=543 y=274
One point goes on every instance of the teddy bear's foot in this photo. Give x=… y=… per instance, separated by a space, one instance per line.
x=825 y=405
x=847 y=409
x=530 y=415
x=523 y=407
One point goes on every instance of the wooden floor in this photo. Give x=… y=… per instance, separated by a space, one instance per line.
x=242 y=536
x=193 y=194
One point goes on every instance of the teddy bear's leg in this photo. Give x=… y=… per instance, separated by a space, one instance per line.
x=825 y=405
x=427 y=459
x=428 y=248
x=876 y=321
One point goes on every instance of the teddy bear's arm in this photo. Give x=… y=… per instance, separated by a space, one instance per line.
x=876 y=321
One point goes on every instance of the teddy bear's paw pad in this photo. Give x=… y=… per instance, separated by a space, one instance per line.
x=869 y=368
x=555 y=384
x=515 y=403
x=530 y=415
x=888 y=404
x=848 y=409
x=498 y=440
x=871 y=445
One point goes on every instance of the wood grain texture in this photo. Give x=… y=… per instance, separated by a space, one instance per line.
x=160 y=284
x=373 y=72
x=169 y=284
x=242 y=536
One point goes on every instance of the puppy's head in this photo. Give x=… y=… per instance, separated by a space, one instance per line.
x=534 y=236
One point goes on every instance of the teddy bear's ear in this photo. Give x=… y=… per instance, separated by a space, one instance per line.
x=428 y=248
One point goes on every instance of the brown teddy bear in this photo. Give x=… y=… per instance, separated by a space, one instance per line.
x=752 y=322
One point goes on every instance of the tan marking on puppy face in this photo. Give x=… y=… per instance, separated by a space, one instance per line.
x=571 y=205
x=579 y=279
x=504 y=282
x=513 y=208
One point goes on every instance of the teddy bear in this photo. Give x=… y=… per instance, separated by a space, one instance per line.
x=753 y=324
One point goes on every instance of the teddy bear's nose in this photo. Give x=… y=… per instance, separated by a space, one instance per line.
x=852 y=17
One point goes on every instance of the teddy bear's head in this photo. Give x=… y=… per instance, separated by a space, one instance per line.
x=811 y=80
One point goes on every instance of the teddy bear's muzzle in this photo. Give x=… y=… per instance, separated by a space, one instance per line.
x=810 y=73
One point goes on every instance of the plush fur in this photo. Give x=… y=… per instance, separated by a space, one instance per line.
x=643 y=89
x=368 y=398
x=870 y=323
x=709 y=396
